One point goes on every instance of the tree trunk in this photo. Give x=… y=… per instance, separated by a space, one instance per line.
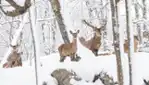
x=144 y=16
x=54 y=36
x=138 y=25
x=116 y=43
x=36 y=43
x=130 y=39
x=56 y=9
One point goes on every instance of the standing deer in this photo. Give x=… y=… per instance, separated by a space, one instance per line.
x=69 y=49
x=135 y=44
x=94 y=43
x=14 y=59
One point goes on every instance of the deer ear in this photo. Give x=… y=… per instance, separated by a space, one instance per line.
x=78 y=31
x=11 y=45
x=70 y=31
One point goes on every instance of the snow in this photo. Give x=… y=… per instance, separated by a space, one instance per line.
x=85 y=68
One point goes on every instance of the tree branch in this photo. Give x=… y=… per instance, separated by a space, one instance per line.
x=13 y=4
x=19 y=10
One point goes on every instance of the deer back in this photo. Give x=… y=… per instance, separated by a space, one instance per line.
x=13 y=56
x=65 y=49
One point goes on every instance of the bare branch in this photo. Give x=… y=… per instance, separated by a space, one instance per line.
x=13 y=4
x=19 y=10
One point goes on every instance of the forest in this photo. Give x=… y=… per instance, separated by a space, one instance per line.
x=74 y=42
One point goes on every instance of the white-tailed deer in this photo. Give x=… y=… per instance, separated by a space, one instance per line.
x=69 y=49
x=94 y=43
x=14 y=59
x=135 y=44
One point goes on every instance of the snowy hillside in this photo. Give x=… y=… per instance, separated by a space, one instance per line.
x=39 y=32
x=86 y=68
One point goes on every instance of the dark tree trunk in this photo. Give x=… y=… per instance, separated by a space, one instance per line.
x=116 y=42
x=56 y=9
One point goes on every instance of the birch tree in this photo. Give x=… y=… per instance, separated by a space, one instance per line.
x=57 y=12
x=144 y=14
x=137 y=17
x=130 y=38
x=36 y=43
x=116 y=41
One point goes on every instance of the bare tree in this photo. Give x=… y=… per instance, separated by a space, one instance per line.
x=57 y=11
x=130 y=39
x=18 y=9
x=137 y=17
x=144 y=14
x=116 y=40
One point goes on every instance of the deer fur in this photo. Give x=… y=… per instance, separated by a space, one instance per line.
x=14 y=59
x=135 y=45
x=94 y=43
x=69 y=49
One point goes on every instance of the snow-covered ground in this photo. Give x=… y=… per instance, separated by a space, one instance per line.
x=85 y=68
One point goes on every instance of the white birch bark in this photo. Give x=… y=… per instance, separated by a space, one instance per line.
x=36 y=44
x=130 y=39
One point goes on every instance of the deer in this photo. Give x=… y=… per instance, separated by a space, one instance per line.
x=95 y=42
x=126 y=47
x=69 y=49
x=14 y=59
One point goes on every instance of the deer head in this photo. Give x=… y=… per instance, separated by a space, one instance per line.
x=74 y=34
x=14 y=47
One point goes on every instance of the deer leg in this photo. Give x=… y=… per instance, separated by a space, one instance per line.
x=62 y=58
x=77 y=57
x=95 y=51
x=73 y=57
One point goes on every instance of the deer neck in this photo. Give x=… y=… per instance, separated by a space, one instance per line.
x=74 y=42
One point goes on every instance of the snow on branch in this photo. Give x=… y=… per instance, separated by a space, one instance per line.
x=139 y=21
x=19 y=10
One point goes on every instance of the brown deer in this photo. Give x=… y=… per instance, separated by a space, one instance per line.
x=69 y=49
x=94 y=43
x=14 y=59
x=135 y=44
